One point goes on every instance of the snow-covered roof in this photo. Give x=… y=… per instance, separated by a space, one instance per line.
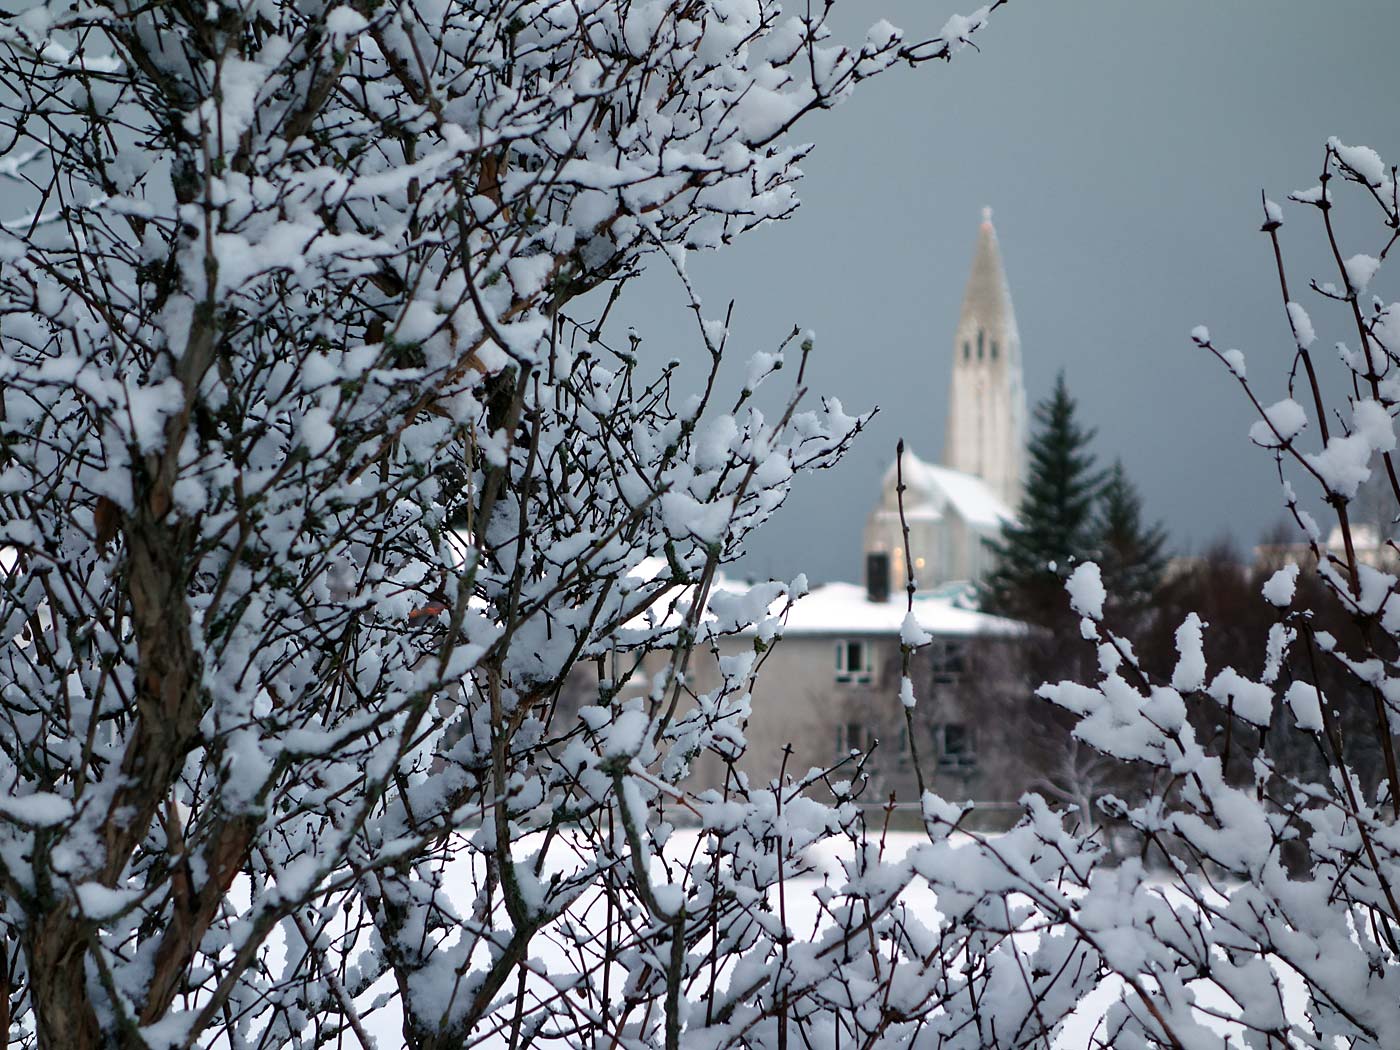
x=844 y=608
x=971 y=497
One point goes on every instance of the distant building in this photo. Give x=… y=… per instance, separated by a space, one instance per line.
x=831 y=686
x=953 y=509
x=1369 y=543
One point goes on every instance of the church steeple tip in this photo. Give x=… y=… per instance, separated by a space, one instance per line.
x=987 y=299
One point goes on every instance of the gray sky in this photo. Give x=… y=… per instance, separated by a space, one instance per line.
x=1123 y=145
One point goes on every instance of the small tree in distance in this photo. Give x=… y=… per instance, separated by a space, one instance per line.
x=1130 y=553
x=1054 y=529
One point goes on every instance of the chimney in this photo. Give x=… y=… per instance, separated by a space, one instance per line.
x=877 y=576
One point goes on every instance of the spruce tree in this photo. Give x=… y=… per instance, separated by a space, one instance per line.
x=1130 y=554
x=1055 y=527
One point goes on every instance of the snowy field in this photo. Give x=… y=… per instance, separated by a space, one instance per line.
x=804 y=917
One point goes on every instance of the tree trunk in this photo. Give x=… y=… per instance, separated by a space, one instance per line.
x=56 y=951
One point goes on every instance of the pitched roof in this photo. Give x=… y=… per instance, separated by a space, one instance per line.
x=844 y=608
x=971 y=497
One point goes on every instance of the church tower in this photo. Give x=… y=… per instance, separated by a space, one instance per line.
x=987 y=401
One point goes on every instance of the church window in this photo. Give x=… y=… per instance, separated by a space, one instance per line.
x=855 y=662
x=979 y=344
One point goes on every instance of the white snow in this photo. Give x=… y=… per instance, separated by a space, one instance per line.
x=1373 y=421
x=1360 y=269
x=1282 y=422
x=935 y=486
x=1344 y=464
x=1363 y=160
x=844 y=608
x=42 y=809
x=344 y=22
x=957 y=30
x=1190 y=671
x=1086 y=590
x=1302 y=325
x=911 y=633
x=1252 y=701
x=906 y=692
x=1235 y=360
x=1304 y=700
x=1278 y=589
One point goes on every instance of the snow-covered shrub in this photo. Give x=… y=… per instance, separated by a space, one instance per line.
x=1276 y=920
x=313 y=489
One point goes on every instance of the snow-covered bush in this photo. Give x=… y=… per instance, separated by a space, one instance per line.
x=1275 y=919
x=313 y=489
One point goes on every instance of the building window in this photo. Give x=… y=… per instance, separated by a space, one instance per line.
x=850 y=737
x=967 y=350
x=994 y=349
x=979 y=344
x=958 y=751
x=949 y=657
x=855 y=661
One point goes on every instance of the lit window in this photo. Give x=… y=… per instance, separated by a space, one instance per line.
x=918 y=563
x=855 y=661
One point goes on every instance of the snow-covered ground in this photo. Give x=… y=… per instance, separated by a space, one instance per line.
x=804 y=916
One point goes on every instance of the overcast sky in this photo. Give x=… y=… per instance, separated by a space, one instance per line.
x=1123 y=146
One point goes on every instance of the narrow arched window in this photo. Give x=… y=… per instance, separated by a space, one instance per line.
x=967 y=350
x=994 y=349
x=979 y=344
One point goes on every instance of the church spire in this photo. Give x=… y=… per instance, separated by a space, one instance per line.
x=987 y=401
x=987 y=299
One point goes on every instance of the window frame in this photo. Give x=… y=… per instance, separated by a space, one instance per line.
x=863 y=675
x=965 y=757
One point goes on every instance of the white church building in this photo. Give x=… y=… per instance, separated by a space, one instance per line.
x=953 y=508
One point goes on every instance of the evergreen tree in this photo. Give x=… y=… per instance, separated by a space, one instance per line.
x=1055 y=529
x=1130 y=555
